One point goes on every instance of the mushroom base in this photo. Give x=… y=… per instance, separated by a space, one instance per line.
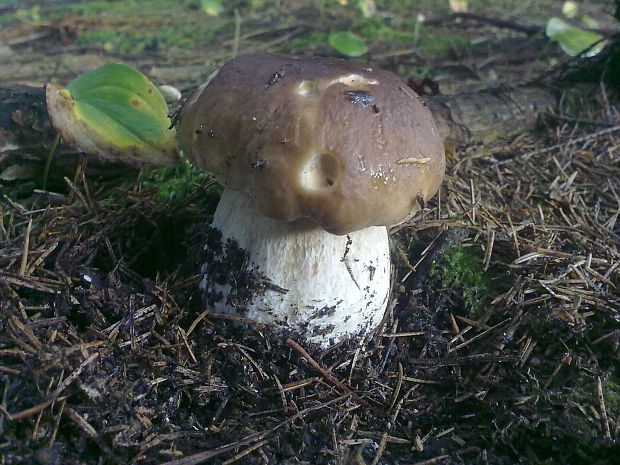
x=298 y=278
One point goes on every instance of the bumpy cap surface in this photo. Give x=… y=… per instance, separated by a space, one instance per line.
x=331 y=140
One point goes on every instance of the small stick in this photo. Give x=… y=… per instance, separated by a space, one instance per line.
x=24 y=263
x=29 y=411
x=202 y=457
x=245 y=452
x=489 y=249
x=326 y=374
x=89 y=430
x=198 y=319
x=419 y=380
x=399 y=383
x=433 y=460
x=476 y=337
x=299 y=384
x=380 y=449
x=566 y=358
x=57 y=423
x=281 y=392
x=72 y=377
x=601 y=401
x=187 y=345
x=407 y=334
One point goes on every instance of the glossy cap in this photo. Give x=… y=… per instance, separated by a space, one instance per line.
x=331 y=140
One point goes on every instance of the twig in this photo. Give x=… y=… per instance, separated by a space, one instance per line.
x=450 y=361
x=380 y=449
x=388 y=350
x=326 y=374
x=89 y=430
x=432 y=461
x=577 y=140
x=73 y=376
x=566 y=358
x=57 y=423
x=29 y=411
x=399 y=383
x=198 y=319
x=201 y=457
x=601 y=401
x=476 y=337
x=24 y=262
x=245 y=452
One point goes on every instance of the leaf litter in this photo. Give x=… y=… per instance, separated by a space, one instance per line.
x=106 y=355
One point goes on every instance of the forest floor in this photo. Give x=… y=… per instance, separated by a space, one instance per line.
x=502 y=340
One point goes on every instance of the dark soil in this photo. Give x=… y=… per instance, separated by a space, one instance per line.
x=501 y=346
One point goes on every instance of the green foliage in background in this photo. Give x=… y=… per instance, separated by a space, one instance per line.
x=574 y=41
x=135 y=42
x=347 y=43
x=211 y=7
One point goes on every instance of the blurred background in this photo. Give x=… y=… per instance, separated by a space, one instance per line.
x=459 y=44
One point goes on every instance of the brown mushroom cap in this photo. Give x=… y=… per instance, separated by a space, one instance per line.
x=331 y=140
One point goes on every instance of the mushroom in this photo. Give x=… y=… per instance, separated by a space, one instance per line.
x=317 y=156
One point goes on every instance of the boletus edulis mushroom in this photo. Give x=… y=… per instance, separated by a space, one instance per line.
x=317 y=156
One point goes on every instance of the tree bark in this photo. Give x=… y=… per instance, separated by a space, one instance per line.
x=490 y=113
x=27 y=136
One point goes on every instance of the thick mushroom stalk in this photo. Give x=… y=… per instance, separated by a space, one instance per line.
x=303 y=278
x=317 y=156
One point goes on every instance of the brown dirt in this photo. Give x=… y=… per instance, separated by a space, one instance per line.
x=502 y=345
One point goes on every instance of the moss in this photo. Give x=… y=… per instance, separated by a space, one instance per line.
x=307 y=40
x=378 y=29
x=539 y=9
x=611 y=393
x=442 y=45
x=120 y=7
x=175 y=183
x=165 y=37
x=399 y=33
x=461 y=272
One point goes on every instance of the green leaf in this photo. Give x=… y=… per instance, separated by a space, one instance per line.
x=574 y=41
x=347 y=43
x=211 y=7
x=570 y=8
x=367 y=7
x=114 y=112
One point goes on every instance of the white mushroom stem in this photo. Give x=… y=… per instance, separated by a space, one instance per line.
x=324 y=287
